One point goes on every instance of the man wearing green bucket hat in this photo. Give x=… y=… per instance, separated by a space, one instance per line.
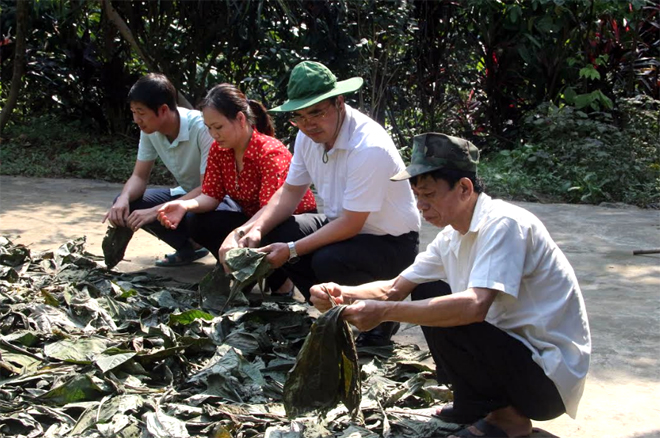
x=509 y=329
x=370 y=227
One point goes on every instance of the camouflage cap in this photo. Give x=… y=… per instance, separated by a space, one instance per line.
x=433 y=151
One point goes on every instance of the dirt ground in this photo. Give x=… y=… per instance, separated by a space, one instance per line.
x=622 y=291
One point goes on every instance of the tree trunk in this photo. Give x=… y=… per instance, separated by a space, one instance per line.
x=128 y=36
x=22 y=11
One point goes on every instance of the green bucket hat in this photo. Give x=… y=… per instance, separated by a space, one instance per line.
x=310 y=83
x=433 y=151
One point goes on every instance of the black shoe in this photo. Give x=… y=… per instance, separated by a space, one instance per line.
x=379 y=336
x=449 y=414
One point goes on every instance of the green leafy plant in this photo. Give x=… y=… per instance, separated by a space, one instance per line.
x=48 y=147
x=579 y=157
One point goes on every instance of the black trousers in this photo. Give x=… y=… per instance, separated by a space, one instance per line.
x=487 y=368
x=210 y=230
x=358 y=260
x=178 y=238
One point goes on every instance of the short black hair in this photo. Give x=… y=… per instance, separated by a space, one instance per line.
x=452 y=177
x=153 y=90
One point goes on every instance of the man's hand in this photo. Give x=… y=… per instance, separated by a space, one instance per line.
x=171 y=213
x=251 y=239
x=320 y=299
x=366 y=314
x=139 y=218
x=278 y=254
x=118 y=213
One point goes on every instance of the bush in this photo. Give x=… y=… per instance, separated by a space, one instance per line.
x=48 y=147
x=573 y=156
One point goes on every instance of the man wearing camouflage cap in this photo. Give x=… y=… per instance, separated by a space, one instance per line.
x=509 y=330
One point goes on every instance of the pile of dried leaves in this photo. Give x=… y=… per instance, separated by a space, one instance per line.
x=87 y=352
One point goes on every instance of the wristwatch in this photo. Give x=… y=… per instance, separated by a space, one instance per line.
x=293 y=255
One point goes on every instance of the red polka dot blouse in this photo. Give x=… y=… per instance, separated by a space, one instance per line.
x=265 y=166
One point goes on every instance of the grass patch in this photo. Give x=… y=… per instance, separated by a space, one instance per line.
x=49 y=148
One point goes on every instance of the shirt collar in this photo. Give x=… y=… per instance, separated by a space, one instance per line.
x=252 y=152
x=344 y=136
x=479 y=216
x=343 y=139
x=184 y=134
x=480 y=213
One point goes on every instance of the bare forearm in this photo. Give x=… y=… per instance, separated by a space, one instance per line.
x=192 y=194
x=134 y=188
x=395 y=289
x=445 y=311
x=377 y=290
x=200 y=204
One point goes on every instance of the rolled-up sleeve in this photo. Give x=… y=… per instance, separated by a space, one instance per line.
x=500 y=257
x=428 y=266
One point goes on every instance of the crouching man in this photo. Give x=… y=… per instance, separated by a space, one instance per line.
x=510 y=329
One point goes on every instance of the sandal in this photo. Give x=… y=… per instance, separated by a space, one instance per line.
x=284 y=296
x=181 y=258
x=485 y=429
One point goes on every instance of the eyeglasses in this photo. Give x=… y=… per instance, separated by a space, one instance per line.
x=304 y=120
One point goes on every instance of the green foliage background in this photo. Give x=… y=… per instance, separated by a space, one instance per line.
x=561 y=96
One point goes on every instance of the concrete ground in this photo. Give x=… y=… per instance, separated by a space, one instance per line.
x=622 y=291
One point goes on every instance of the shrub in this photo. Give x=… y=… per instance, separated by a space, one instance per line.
x=579 y=157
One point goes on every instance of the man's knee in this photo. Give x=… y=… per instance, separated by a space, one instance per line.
x=328 y=265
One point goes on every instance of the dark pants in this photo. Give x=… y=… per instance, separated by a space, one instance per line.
x=177 y=239
x=210 y=230
x=358 y=260
x=487 y=368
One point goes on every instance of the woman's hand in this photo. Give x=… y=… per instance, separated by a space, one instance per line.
x=171 y=213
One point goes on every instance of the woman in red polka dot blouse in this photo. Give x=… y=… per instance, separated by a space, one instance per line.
x=245 y=163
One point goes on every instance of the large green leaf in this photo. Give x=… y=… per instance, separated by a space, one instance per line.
x=189 y=316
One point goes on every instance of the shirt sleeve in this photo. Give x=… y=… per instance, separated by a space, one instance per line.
x=368 y=175
x=213 y=185
x=298 y=173
x=146 y=149
x=204 y=142
x=501 y=249
x=273 y=166
x=427 y=267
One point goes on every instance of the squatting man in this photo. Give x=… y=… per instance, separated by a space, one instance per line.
x=508 y=330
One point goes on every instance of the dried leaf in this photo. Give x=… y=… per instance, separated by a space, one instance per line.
x=106 y=363
x=80 y=351
x=114 y=245
x=78 y=388
x=161 y=425
x=326 y=370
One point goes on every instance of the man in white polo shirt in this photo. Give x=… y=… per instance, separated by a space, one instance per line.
x=180 y=139
x=370 y=227
x=510 y=329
